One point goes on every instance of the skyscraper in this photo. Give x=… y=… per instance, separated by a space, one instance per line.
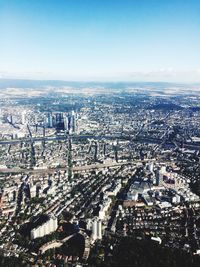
x=24 y=117
x=66 y=122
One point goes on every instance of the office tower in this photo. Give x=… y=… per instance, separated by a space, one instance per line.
x=99 y=229
x=96 y=229
x=11 y=119
x=59 y=118
x=150 y=166
x=24 y=117
x=104 y=149
x=44 y=133
x=46 y=228
x=50 y=120
x=73 y=121
x=66 y=123
x=157 y=178
x=95 y=151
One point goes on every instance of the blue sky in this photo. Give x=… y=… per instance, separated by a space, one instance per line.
x=154 y=40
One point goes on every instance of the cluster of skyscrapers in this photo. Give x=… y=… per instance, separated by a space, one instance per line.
x=62 y=121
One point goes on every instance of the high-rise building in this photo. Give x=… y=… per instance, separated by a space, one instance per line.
x=73 y=121
x=50 y=120
x=159 y=177
x=66 y=123
x=150 y=166
x=33 y=190
x=48 y=227
x=24 y=117
x=99 y=229
x=96 y=229
x=11 y=119
x=58 y=118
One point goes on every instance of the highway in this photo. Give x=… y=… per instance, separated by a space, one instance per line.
x=150 y=140
x=57 y=138
x=76 y=168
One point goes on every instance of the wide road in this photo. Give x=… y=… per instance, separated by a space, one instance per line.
x=75 y=168
x=56 y=138
x=150 y=140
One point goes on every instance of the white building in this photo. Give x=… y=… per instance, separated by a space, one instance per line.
x=150 y=166
x=24 y=117
x=48 y=227
x=66 y=123
x=33 y=190
x=96 y=229
x=104 y=208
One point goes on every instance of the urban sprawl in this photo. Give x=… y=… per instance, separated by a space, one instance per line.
x=82 y=168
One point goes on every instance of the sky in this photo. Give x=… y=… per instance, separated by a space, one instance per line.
x=115 y=40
